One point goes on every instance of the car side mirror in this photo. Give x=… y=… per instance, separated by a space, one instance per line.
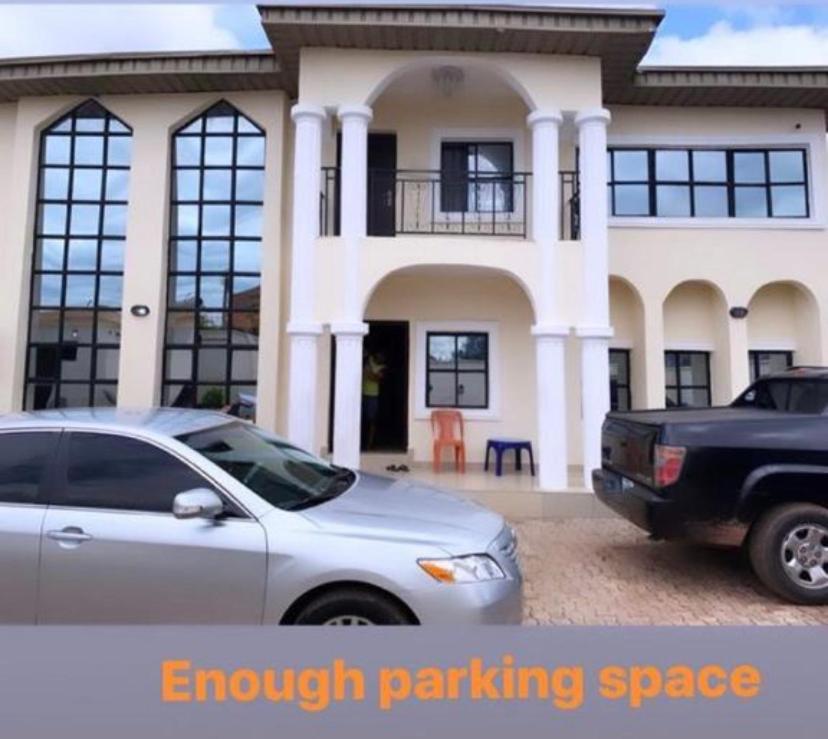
x=197 y=503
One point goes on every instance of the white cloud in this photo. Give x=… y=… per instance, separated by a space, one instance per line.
x=35 y=30
x=763 y=45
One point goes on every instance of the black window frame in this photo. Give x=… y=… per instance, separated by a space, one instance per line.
x=455 y=184
x=66 y=348
x=625 y=354
x=456 y=371
x=754 y=356
x=729 y=183
x=679 y=386
x=182 y=391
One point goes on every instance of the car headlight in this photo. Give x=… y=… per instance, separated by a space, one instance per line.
x=471 y=568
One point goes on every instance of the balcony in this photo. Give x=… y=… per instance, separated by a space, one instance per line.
x=430 y=202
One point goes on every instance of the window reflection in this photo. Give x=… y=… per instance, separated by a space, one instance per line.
x=75 y=317
x=215 y=261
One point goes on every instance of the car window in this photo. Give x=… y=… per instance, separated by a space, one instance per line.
x=107 y=471
x=24 y=460
x=286 y=477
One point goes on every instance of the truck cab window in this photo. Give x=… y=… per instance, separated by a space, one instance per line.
x=792 y=396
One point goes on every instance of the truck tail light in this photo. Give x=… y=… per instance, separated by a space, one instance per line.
x=668 y=463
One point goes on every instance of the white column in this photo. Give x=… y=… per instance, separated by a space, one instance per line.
x=550 y=344
x=546 y=211
x=653 y=356
x=350 y=331
x=145 y=267
x=303 y=329
x=594 y=329
x=550 y=338
x=738 y=363
x=348 y=392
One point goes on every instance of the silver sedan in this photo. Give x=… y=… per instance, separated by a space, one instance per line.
x=180 y=516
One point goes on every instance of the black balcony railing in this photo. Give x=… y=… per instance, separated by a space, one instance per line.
x=434 y=202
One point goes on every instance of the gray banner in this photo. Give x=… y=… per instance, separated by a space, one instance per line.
x=107 y=682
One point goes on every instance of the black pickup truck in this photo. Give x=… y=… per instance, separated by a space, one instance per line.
x=754 y=473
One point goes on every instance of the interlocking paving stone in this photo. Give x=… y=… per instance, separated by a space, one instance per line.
x=606 y=572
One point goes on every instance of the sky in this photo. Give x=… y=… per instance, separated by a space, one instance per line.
x=728 y=32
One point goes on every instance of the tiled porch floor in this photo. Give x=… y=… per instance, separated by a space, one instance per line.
x=514 y=494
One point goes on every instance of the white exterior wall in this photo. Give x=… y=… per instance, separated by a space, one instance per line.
x=153 y=119
x=672 y=282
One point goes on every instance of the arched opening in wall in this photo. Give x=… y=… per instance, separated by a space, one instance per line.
x=446 y=337
x=627 y=377
x=447 y=153
x=696 y=364
x=783 y=328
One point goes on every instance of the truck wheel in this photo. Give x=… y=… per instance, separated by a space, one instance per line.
x=352 y=607
x=788 y=549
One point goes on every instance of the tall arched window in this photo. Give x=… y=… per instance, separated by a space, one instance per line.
x=77 y=274
x=212 y=334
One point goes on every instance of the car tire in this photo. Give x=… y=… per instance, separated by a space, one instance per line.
x=788 y=548
x=353 y=607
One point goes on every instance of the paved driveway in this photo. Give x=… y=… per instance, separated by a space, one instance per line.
x=605 y=571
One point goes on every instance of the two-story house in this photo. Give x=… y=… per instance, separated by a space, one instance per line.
x=410 y=208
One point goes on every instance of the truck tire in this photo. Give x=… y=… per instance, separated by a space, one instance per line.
x=352 y=607
x=788 y=549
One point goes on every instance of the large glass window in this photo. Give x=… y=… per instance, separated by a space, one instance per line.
x=767 y=363
x=687 y=379
x=212 y=334
x=709 y=183
x=77 y=276
x=457 y=374
x=619 y=364
x=476 y=177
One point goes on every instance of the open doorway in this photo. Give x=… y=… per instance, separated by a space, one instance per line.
x=384 y=388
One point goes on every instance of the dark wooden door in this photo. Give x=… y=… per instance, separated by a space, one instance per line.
x=382 y=184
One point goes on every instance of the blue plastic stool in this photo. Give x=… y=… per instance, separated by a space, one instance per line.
x=503 y=445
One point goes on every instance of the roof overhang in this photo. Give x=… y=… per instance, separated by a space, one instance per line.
x=139 y=73
x=619 y=36
x=774 y=87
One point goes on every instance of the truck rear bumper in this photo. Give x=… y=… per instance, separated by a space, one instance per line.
x=637 y=504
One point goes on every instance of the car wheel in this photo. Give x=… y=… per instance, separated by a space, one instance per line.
x=353 y=607
x=789 y=552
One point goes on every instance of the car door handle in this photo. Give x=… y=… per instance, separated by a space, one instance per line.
x=71 y=534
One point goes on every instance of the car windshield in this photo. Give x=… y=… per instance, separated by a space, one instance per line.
x=790 y=396
x=283 y=475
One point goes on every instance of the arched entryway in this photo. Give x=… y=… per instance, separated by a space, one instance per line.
x=696 y=361
x=454 y=337
x=783 y=328
x=627 y=346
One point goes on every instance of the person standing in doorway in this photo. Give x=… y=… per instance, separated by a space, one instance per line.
x=373 y=372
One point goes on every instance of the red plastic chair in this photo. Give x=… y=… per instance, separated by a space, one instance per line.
x=447 y=428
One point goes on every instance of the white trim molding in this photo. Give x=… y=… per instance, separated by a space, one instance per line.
x=689 y=346
x=421 y=328
x=773 y=345
x=515 y=136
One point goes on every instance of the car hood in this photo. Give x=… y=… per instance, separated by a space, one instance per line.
x=402 y=510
